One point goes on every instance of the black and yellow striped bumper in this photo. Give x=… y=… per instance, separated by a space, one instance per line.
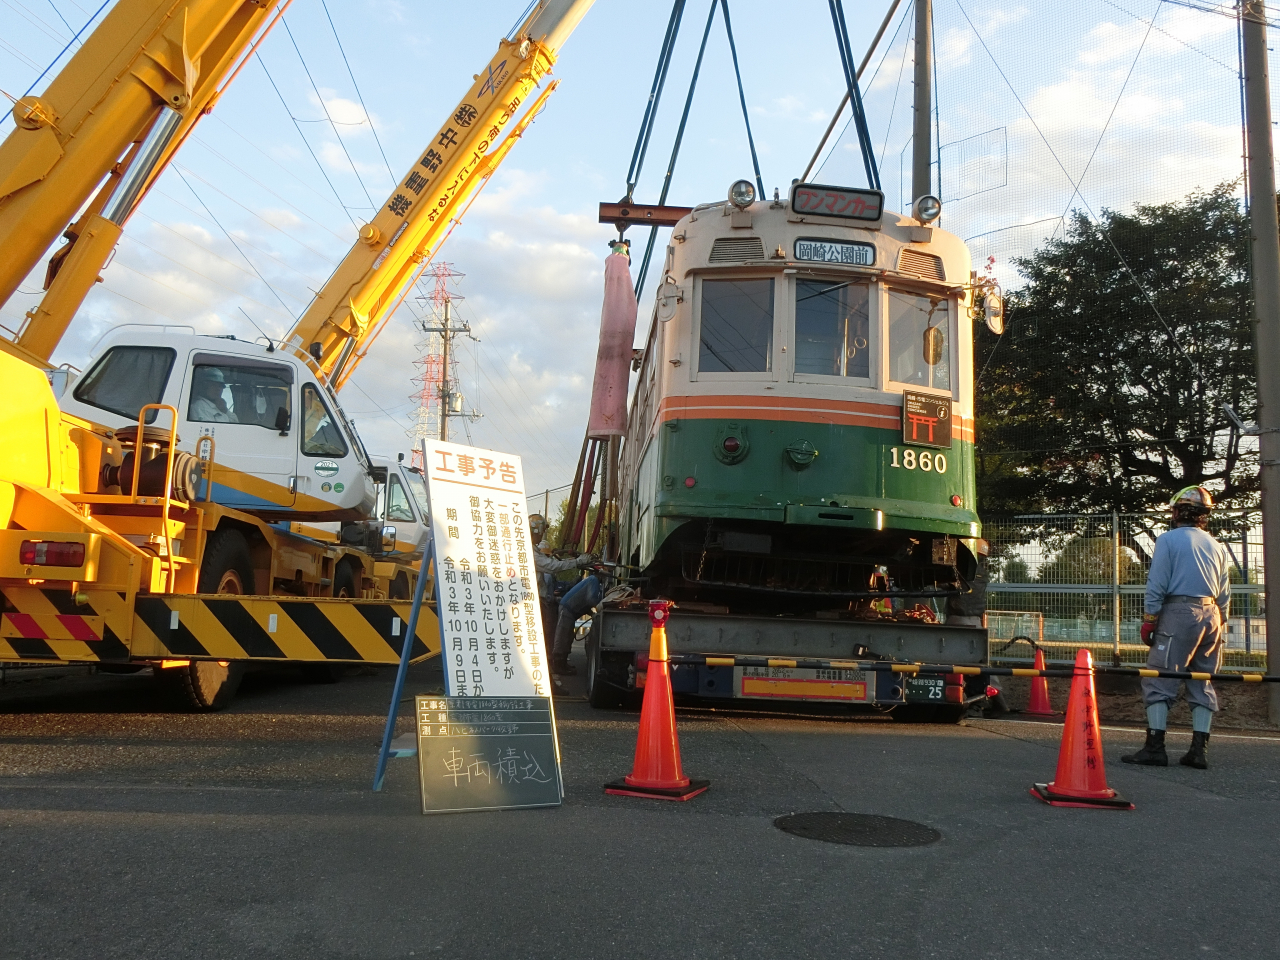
x=50 y=625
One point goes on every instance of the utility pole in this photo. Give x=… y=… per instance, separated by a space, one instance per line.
x=922 y=130
x=1265 y=228
x=436 y=395
x=446 y=335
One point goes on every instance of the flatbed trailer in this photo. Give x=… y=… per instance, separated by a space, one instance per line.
x=618 y=644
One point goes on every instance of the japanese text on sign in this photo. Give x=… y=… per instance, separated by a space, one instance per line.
x=836 y=251
x=487 y=753
x=490 y=625
x=844 y=202
x=926 y=420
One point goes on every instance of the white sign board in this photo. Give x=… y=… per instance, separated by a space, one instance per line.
x=486 y=586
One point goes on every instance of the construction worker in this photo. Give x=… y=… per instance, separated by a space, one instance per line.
x=584 y=595
x=546 y=567
x=1188 y=594
x=207 y=403
x=320 y=435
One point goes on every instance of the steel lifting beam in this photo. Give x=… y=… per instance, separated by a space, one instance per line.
x=636 y=214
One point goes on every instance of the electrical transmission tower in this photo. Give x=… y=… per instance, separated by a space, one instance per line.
x=438 y=394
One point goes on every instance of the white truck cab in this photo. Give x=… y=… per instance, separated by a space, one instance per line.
x=283 y=450
x=402 y=505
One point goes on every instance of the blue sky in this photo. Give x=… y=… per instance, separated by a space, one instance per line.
x=1030 y=95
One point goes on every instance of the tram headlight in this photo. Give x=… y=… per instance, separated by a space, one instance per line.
x=926 y=209
x=742 y=194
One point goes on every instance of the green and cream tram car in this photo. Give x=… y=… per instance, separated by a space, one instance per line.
x=798 y=472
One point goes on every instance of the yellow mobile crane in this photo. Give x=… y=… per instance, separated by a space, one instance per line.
x=102 y=132
x=112 y=548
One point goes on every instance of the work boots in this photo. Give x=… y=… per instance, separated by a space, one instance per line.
x=1152 y=753
x=1196 y=756
x=563 y=668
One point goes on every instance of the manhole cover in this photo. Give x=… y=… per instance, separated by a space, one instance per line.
x=857 y=829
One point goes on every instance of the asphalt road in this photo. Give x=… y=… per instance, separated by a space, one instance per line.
x=128 y=831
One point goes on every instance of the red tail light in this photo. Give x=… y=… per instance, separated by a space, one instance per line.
x=51 y=553
x=953 y=692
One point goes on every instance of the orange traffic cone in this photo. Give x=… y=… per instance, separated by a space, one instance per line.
x=656 y=773
x=1081 y=780
x=1038 y=705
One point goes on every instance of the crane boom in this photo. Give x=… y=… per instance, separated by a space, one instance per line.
x=393 y=248
x=97 y=138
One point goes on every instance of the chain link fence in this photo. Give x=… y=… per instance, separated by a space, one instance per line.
x=1067 y=581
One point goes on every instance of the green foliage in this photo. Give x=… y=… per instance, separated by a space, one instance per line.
x=1098 y=397
x=1089 y=560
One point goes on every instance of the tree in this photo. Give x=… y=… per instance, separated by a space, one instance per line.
x=1105 y=391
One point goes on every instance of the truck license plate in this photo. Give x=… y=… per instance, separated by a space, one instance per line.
x=926 y=689
x=801 y=683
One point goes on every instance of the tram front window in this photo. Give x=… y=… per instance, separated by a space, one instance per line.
x=736 y=333
x=919 y=340
x=832 y=324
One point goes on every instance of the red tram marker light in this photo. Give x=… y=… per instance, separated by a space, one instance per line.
x=731 y=445
x=956 y=500
x=690 y=481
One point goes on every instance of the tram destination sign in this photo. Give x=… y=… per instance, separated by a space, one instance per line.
x=846 y=203
x=926 y=420
x=836 y=251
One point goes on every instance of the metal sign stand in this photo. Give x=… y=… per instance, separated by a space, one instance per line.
x=420 y=589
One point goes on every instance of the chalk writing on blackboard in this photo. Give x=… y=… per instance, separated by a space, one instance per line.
x=485 y=753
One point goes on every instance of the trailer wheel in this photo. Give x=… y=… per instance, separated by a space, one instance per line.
x=399 y=589
x=207 y=685
x=226 y=566
x=950 y=713
x=600 y=694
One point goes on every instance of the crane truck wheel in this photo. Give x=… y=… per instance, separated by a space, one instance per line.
x=399 y=589
x=226 y=566
x=344 y=587
x=208 y=685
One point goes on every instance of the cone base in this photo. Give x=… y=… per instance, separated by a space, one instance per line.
x=1045 y=793
x=620 y=788
x=1041 y=713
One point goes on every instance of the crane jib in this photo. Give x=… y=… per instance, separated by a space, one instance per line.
x=416 y=216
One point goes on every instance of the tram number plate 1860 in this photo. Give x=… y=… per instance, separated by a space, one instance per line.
x=925 y=689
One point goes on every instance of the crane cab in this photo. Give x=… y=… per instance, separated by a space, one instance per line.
x=282 y=448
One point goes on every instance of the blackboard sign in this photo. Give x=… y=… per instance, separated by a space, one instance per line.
x=487 y=753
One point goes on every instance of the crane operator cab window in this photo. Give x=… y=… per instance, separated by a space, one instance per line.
x=398 y=501
x=320 y=434
x=254 y=395
x=126 y=379
x=419 y=490
x=736 y=326
x=919 y=340
x=833 y=328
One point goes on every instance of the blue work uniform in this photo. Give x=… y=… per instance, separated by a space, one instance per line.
x=1189 y=586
